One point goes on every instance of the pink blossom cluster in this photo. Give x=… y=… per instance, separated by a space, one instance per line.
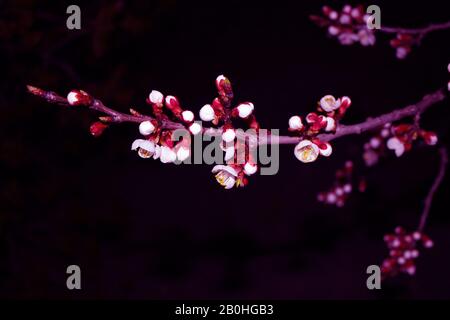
x=156 y=141
x=349 y=25
x=343 y=187
x=403 y=251
x=402 y=44
x=398 y=138
x=224 y=116
x=329 y=111
x=239 y=160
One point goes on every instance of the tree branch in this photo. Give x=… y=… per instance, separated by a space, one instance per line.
x=420 y=31
x=97 y=105
x=434 y=188
x=374 y=123
x=371 y=123
x=342 y=130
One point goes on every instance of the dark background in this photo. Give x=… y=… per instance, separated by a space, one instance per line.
x=141 y=229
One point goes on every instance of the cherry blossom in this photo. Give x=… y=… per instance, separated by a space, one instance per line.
x=403 y=251
x=350 y=25
x=397 y=138
x=343 y=186
x=329 y=111
x=145 y=148
x=306 y=151
x=311 y=135
x=79 y=98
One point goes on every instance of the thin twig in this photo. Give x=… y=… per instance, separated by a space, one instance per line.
x=97 y=105
x=420 y=31
x=434 y=188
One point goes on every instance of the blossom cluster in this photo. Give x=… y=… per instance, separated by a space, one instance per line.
x=403 y=251
x=343 y=187
x=403 y=43
x=329 y=111
x=349 y=25
x=398 y=138
x=237 y=152
x=157 y=140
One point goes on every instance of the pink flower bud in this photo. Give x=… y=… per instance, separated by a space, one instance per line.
x=195 y=128
x=245 y=109
x=156 y=97
x=36 y=91
x=173 y=105
x=385 y=133
x=331 y=198
x=326 y=10
x=295 y=123
x=97 y=128
x=411 y=270
x=356 y=13
x=347 y=8
x=345 y=19
x=328 y=103
x=430 y=138
x=375 y=142
x=146 y=128
x=348 y=188
x=333 y=15
x=223 y=84
x=395 y=144
x=333 y=30
x=427 y=242
x=366 y=37
x=345 y=102
x=250 y=168
x=228 y=135
x=402 y=52
x=207 y=113
x=417 y=235
x=187 y=115
x=79 y=98
x=325 y=149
